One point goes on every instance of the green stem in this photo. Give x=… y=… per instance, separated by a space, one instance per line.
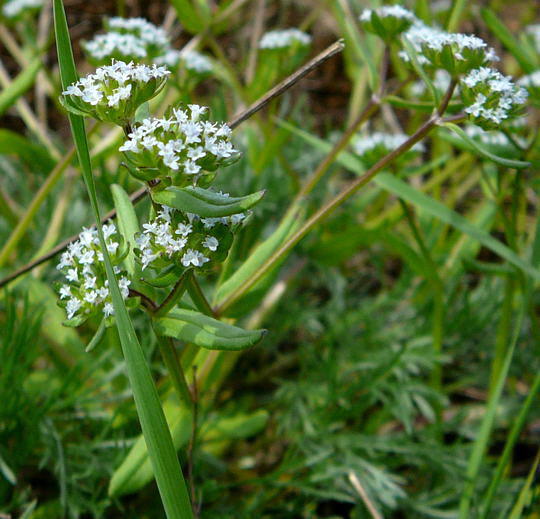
x=197 y=295
x=168 y=353
x=170 y=301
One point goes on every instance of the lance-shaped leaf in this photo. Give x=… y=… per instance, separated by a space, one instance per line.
x=204 y=202
x=206 y=332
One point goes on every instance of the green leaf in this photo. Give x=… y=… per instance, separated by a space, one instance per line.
x=205 y=331
x=426 y=203
x=517 y=164
x=136 y=470
x=204 y=202
x=259 y=256
x=34 y=155
x=189 y=16
x=127 y=224
x=526 y=61
x=169 y=479
x=98 y=336
x=19 y=85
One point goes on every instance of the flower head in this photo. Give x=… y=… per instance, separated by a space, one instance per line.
x=282 y=39
x=456 y=53
x=174 y=237
x=113 y=93
x=387 y=21
x=127 y=39
x=85 y=291
x=181 y=146
x=491 y=98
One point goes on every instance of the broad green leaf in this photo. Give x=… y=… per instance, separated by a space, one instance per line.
x=19 y=85
x=189 y=16
x=517 y=164
x=136 y=469
x=127 y=224
x=259 y=256
x=526 y=61
x=205 y=331
x=157 y=436
x=204 y=202
x=34 y=155
x=428 y=204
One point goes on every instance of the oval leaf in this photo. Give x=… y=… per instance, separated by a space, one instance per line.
x=204 y=202
x=205 y=331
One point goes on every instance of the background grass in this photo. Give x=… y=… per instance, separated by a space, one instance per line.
x=389 y=325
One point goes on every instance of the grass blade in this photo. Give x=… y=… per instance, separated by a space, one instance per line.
x=157 y=436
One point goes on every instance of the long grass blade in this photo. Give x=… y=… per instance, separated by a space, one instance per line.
x=157 y=436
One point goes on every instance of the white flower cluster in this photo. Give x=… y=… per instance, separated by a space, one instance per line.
x=363 y=144
x=127 y=39
x=87 y=288
x=530 y=80
x=141 y=28
x=453 y=52
x=115 y=45
x=282 y=39
x=192 y=61
x=13 y=8
x=185 y=239
x=183 y=143
x=490 y=98
x=388 y=11
x=114 y=92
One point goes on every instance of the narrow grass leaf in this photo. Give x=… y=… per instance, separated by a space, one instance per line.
x=482 y=438
x=162 y=453
x=19 y=85
x=526 y=61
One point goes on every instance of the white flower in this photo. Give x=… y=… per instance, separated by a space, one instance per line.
x=72 y=306
x=281 y=39
x=389 y=11
x=195 y=258
x=65 y=291
x=364 y=144
x=211 y=243
x=108 y=309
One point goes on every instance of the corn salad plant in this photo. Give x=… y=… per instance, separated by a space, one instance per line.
x=222 y=240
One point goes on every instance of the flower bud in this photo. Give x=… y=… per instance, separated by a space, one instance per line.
x=491 y=98
x=180 y=147
x=388 y=21
x=113 y=93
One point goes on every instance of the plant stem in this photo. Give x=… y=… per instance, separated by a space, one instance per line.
x=168 y=353
x=197 y=295
x=172 y=298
